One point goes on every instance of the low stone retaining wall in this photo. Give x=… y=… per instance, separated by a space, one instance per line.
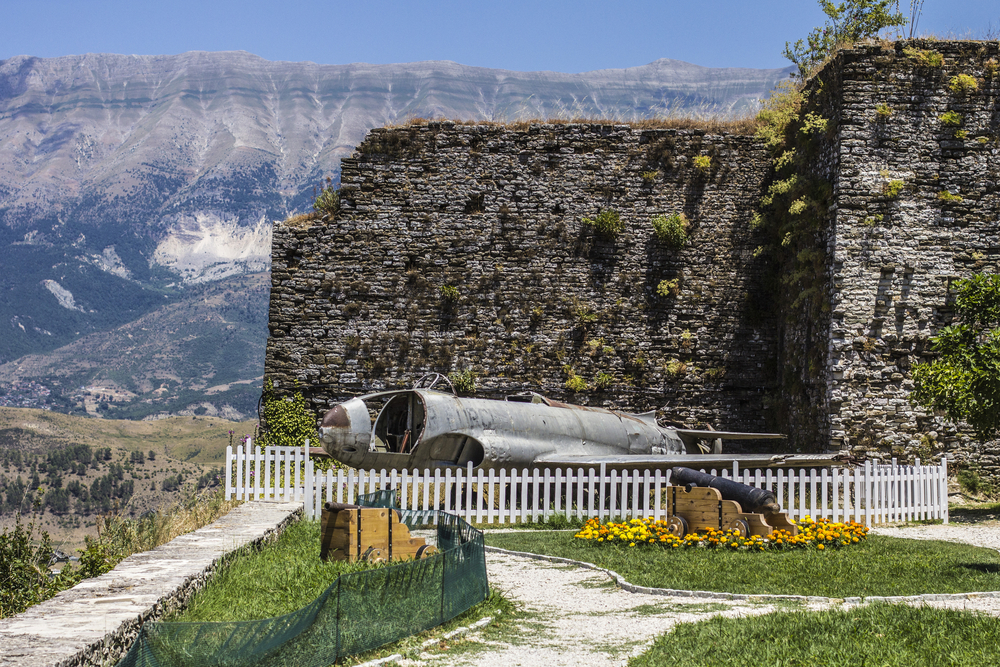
x=95 y=622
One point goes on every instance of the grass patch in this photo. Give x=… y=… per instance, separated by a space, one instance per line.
x=881 y=634
x=288 y=574
x=878 y=566
x=268 y=582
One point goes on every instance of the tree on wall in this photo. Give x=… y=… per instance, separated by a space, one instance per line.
x=964 y=380
x=849 y=22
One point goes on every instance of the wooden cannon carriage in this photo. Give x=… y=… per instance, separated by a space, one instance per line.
x=352 y=532
x=692 y=509
x=698 y=502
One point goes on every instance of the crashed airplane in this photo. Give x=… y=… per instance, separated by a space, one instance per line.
x=424 y=428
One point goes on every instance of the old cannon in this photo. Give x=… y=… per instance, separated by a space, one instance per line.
x=697 y=501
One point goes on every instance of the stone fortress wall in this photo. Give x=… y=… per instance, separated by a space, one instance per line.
x=893 y=258
x=463 y=248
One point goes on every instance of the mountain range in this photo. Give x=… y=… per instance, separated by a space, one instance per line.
x=137 y=195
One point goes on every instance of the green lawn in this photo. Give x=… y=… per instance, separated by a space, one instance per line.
x=272 y=581
x=287 y=575
x=879 y=566
x=885 y=635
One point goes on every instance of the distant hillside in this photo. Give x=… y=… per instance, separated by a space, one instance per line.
x=73 y=469
x=127 y=180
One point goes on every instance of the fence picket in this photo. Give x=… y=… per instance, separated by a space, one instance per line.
x=534 y=495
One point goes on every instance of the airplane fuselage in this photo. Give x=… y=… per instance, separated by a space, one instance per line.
x=425 y=429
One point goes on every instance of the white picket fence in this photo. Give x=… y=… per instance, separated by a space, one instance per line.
x=870 y=494
x=276 y=473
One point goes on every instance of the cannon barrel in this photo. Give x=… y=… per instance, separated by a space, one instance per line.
x=751 y=499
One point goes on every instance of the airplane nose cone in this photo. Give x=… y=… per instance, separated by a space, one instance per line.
x=337 y=417
x=345 y=428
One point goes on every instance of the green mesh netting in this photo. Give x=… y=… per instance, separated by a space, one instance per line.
x=358 y=612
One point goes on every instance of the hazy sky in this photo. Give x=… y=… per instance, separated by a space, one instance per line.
x=510 y=34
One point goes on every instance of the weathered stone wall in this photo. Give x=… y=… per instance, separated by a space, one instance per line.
x=895 y=257
x=532 y=296
x=493 y=216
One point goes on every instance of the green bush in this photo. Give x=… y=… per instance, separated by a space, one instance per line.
x=24 y=569
x=814 y=124
x=883 y=111
x=849 y=21
x=607 y=222
x=288 y=421
x=924 y=57
x=449 y=292
x=961 y=380
x=702 y=163
x=328 y=200
x=947 y=197
x=969 y=481
x=668 y=288
x=603 y=380
x=951 y=118
x=464 y=382
x=671 y=229
x=779 y=110
x=892 y=188
x=962 y=84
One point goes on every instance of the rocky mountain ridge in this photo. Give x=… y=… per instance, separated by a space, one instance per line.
x=126 y=180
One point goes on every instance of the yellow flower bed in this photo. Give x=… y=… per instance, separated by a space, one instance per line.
x=820 y=535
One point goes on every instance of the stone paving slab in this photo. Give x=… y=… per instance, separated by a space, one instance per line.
x=95 y=622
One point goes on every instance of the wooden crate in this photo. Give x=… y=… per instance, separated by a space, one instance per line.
x=351 y=532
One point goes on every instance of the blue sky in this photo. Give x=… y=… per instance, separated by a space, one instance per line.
x=510 y=34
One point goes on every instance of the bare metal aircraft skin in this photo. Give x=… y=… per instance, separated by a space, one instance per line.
x=427 y=429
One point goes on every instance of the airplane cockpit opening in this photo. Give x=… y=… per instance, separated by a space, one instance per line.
x=400 y=424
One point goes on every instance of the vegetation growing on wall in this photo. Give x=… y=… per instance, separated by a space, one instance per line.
x=794 y=208
x=671 y=229
x=328 y=200
x=607 y=222
x=287 y=420
x=463 y=381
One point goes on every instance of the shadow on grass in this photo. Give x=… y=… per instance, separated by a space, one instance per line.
x=977 y=514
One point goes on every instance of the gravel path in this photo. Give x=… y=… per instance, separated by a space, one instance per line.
x=577 y=616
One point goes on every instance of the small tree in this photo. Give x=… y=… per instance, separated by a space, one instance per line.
x=850 y=21
x=964 y=380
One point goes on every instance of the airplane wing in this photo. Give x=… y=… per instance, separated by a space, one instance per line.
x=695 y=461
x=728 y=435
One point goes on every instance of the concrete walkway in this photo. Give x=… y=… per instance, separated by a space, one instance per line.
x=96 y=621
